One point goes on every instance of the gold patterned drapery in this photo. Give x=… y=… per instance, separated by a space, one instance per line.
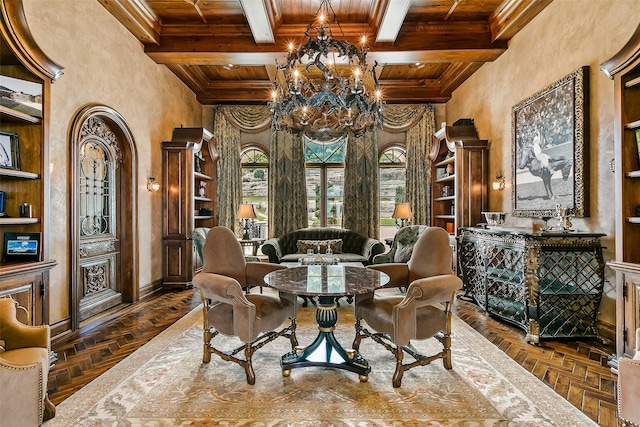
x=229 y=170
x=287 y=189
x=361 y=196
x=248 y=118
x=419 y=123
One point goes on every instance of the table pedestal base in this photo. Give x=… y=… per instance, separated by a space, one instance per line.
x=325 y=350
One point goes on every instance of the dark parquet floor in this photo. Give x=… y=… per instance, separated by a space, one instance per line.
x=577 y=370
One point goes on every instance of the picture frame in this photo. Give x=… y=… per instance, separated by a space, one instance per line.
x=549 y=149
x=21 y=247
x=9 y=150
x=20 y=95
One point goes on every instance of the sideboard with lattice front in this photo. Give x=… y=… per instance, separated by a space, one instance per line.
x=549 y=284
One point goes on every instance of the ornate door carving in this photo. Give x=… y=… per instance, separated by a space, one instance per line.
x=99 y=159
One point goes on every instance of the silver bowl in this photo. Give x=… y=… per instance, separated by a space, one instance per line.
x=494 y=218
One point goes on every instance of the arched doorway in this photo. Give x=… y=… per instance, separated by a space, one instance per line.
x=104 y=238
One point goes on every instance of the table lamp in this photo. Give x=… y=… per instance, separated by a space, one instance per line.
x=246 y=212
x=403 y=213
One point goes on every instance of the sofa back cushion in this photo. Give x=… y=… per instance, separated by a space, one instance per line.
x=334 y=244
x=352 y=242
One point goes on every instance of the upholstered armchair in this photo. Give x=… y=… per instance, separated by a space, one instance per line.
x=199 y=236
x=402 y=245
x=254 y=319
x=24 y=367
x=629 y=387
x=423 y=312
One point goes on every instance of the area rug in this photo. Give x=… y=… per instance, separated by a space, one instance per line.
x=165 y=383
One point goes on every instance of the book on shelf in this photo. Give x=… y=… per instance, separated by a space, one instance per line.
x=638 y=144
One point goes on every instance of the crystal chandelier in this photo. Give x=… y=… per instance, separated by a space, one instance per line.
x=326 y=88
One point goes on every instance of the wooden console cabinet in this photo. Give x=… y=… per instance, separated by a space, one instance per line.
x=25 y=177
x=624 y=69
x=549 y=284
x=189 y=200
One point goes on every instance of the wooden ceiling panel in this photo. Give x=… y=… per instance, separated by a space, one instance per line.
x=234 y=72
x=414 y=71
x=348 y=11
x=452 y=10
x=198 y=39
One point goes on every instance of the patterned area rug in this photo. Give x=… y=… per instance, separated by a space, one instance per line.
x=165 y=384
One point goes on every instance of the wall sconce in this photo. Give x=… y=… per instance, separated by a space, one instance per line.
x=403 y=213
x=498 y=183
x=246 y=212
x=152 y=184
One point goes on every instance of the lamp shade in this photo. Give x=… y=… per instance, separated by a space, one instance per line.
x=402 y=211
x=246 y=210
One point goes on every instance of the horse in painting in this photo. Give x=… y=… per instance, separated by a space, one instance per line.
x=528 y=159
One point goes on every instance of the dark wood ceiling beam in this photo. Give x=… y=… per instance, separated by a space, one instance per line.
x=430 y=44
x=394 y=91
x=137 y=17
x=513 y=15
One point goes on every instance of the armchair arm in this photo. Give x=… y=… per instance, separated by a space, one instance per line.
x=398 y=274
x=436 y=289
x=383 y=258
x=371 y=248
x=18 y=335
x=24 y=394
x=216 y=286
x=272 y=249
x=255 y=272
x=227 y=290
x=629 y=389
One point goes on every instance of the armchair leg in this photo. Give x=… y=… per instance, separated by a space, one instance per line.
x=248 y=365
x=399 y=372
x=49 y=409
x=446 y=358
x=206 y=353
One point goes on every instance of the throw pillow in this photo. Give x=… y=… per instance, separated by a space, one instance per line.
x=403 y=252
x=335 y=244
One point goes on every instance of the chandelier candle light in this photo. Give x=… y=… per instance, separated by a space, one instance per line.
x=326 y=88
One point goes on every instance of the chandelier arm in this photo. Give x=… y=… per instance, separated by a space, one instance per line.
x=326 y=103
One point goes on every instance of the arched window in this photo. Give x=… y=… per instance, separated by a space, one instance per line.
x=392 y=169
x=325 y=181
x=255 y=182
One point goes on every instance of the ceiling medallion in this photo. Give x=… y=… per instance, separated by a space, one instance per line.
x=326 y=88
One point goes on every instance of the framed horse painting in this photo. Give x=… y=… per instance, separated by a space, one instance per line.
x=549 y=131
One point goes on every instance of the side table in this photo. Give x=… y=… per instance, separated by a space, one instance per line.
x=254 y=244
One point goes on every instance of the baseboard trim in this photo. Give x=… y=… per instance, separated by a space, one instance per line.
x=60 y=330
x=150 y=289
x=606 y=330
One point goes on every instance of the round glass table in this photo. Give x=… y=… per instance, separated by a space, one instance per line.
x=326 y=282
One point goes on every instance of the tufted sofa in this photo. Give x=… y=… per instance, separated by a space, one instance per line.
x=355 y=247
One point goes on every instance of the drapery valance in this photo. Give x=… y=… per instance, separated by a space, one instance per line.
x=248 y=118
x=401 y=118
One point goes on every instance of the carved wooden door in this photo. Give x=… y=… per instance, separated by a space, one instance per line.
x=99 y=158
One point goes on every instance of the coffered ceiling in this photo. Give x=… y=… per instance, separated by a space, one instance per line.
x=226 y=50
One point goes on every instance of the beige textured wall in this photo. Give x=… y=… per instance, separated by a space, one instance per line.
x=105 y=64
x=565 y=36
